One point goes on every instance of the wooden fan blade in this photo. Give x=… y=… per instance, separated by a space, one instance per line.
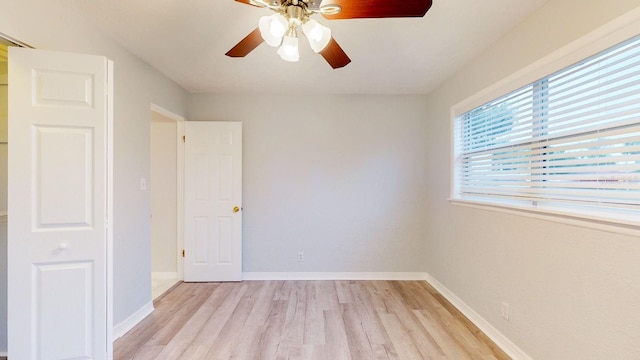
x=246 y=45
x=335 y=56
x=378 y=8
x=246 y=2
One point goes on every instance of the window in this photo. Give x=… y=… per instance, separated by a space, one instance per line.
x=568 y=143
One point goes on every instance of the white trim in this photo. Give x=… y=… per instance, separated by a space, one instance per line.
x=162 y=111
x=4 y=354
x=334 y=276
x=14 y=41
x=584 y=221
x=496 y=336
x=109 y=225
x=164 y=275
x=129 y=323
x=180 y=199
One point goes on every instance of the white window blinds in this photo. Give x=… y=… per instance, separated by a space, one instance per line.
x=569 y=139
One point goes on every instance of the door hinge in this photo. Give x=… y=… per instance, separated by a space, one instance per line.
x=184 y=138
x=182 y=252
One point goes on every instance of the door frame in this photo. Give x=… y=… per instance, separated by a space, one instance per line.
x=180 y=120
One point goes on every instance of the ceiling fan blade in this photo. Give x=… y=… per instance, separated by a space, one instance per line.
x=246 y=45
x=246 y=2
x=335 y=56
x=362 y=9
x=260 y=3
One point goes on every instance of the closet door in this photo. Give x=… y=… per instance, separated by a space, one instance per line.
x=60 y=109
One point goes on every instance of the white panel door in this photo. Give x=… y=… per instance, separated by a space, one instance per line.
x=213 y=201
x=60 y=112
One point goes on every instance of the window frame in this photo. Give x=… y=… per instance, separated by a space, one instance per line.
x=607 y=36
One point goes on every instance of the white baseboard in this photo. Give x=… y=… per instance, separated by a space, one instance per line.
x=122 y=328
x=164 y=275
x=4 y=354
x=496 y=336
x=334 y=276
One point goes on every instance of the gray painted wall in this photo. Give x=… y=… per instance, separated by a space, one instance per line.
x=341 y=178
x=574 y=292
x=360 y=183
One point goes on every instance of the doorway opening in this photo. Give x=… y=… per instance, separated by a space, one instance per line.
x=167 y=164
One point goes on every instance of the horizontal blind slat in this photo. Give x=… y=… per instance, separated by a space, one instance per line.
x=572 y=137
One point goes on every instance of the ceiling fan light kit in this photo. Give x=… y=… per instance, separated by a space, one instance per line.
x=281 y=29
x=318 y=35
x=272 y=28
x=289 y=49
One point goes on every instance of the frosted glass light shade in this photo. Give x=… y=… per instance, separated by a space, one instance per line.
x=272 y=28
x=289 y=49
x=317 y=35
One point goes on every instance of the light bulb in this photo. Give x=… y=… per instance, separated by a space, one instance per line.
x=277 y=28
x=318 y=35
x=289 y=49
x=272 y=28
x=315 y=34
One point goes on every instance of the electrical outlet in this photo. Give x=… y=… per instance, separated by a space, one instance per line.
x=300 y=256
x=504 y=311
x=143 y=184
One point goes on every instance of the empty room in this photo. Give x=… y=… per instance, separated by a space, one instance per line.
x=337 y=179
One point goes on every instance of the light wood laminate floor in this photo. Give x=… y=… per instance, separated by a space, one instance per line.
x=316 y=320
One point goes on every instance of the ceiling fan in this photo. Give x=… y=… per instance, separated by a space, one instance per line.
x=281 y=28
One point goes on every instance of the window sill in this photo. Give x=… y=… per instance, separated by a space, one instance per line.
x=585 y=219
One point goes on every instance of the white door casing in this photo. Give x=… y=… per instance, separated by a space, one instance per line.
x=60 y=124
x=213 y=201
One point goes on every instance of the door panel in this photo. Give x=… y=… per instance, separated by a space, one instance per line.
x=60 y=106
x=213 y=180
x=56 y=148
x=76 y=307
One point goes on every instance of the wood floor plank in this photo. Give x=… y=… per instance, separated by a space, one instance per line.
x=343 y=291
x=401 y=339
x=154 y=323
x=268 y=340
x=306 y=320
x=366 y=297
x=227 y=340
x=314 y=317
x=357 y=341
x=449 y=345
x=181 y=316
x=185 y=336
x=337 y=343
x=255 y=323
x=425 y=343
x=291 y=345
x=203 y=342
x=480 y=336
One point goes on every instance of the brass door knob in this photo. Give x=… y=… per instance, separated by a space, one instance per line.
x=236 y=209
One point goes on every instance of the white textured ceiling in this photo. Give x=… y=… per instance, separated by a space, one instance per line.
x=187 y=39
